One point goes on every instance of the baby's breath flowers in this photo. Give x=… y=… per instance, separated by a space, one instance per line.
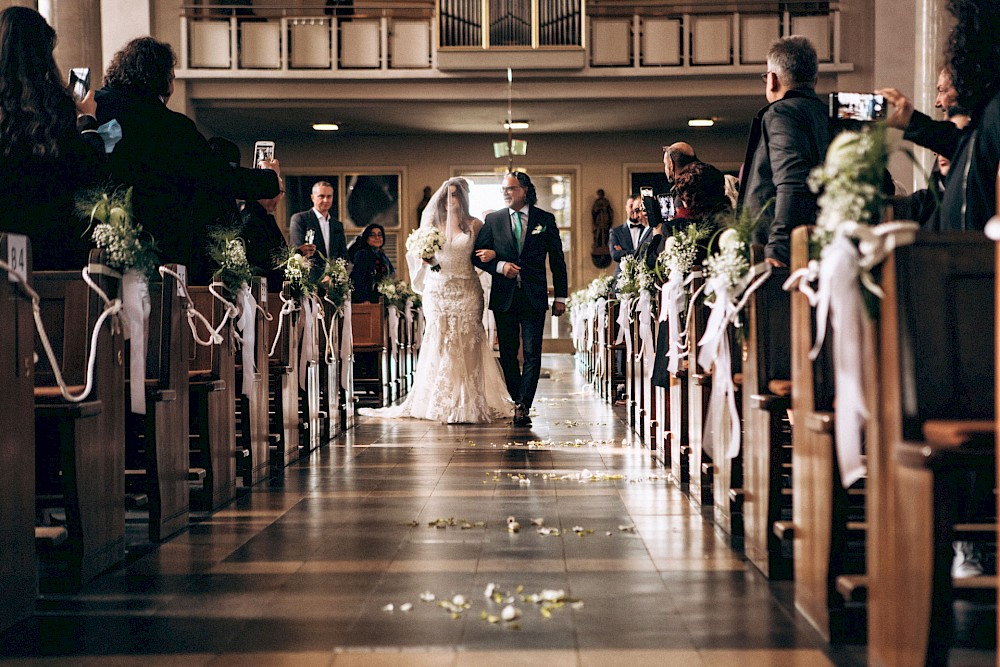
x=681 y=250
x=296 y=268
x=338 y=282
x=112 y=228
x=229 y=252
x=730 y=263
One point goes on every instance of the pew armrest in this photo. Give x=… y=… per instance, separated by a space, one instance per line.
x=783 y=530
x=49 y=537
x=770 y=402
x=702 y=379
x=853 y=587
x=950 y=433
x=962 y=443
x=820 y=422
x=780 y=387
x=47 y=408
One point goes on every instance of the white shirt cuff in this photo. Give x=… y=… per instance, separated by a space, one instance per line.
x=500 y=266
x=560 y=299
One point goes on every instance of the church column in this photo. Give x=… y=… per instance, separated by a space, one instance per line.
x=78 y=29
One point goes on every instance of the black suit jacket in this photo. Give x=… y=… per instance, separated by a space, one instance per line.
x=264 y=242
x=170 y=166
x=622 y=236
x=541 y=240
x=306 y=220
x=787 y=139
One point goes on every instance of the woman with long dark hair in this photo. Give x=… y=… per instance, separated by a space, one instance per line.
x=50 y=149
x=371 y=264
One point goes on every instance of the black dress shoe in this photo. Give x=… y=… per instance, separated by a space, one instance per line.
x=521 y=417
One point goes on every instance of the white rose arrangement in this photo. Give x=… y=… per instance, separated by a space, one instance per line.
x=426 y=242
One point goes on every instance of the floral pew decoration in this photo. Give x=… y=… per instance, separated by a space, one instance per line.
x=131 y=257
x=337 y=280
x=302 y=297
x=730 y=280
x=676 y=268
x=399 y=298
x=234 y=276
x=850 y=243
x=635 y=287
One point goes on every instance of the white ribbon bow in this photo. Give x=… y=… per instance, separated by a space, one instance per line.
x=347 y=349
x=647 y=347
x=393 y=317
x=288 y=306
x=135 y=313
x=624 y=335
x=247 y=325
x=309 y=348
x=601 y=312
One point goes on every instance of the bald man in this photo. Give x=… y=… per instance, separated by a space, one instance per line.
x=676 y=157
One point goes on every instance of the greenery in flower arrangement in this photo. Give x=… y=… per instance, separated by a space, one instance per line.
x=338 y=282
x=395 y=292
x=634 y=277
x=849 y=182
x=227 y=250
x=681 y=250
x=296 y=268
x=112 y=228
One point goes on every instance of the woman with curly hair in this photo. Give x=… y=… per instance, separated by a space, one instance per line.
x=371 y=264
x=166 y=160
x=700 y=193
x=973 y=61
x=50 y=149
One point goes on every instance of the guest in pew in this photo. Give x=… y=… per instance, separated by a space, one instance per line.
x=973 y=60
x=626 y=239
x=164 y=157
x=700 y=192
x=787 y=139
x=371 y=264
x=264 y=239
x=51 y=149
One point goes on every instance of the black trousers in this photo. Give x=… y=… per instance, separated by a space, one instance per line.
x=521 y=324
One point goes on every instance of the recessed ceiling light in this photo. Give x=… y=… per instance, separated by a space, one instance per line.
x=516 y=125
x=326 y=127
x=701 y=122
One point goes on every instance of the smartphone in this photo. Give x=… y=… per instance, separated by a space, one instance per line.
x=862 y=107
x=668 y=210
x=79 y=82
x=262 y=150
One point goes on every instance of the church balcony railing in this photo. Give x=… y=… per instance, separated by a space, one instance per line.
x=426 y=38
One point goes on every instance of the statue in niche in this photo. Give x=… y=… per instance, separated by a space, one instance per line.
x=603 y=216
x=423 y=203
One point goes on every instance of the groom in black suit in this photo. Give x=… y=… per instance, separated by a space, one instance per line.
x=522 y=235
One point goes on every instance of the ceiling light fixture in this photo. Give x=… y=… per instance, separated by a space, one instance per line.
x=325 y=127
x=515 y=125
x=511 y=146
x=701 y=122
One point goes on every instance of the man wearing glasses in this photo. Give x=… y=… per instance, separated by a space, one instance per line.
x=522 y=236
x=787 y=139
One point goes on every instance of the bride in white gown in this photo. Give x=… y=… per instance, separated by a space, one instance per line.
x=458 y=379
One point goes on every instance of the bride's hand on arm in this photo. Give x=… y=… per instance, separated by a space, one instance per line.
x=486 y=255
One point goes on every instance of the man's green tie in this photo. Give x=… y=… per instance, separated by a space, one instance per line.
x=517 y=230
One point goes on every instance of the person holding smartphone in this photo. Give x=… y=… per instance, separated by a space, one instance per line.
x=165 y=159
x=51 y=149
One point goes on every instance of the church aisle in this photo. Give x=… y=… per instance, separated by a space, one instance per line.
x=302 y=572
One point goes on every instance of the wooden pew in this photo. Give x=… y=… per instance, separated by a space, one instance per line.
x=347 y=400
x=767 y=463
x=700 y=470
x=935 y=422
x=614 y=354
x=79 y=447
x=157 y=452
x=18 y=568
x=370 y=343
x=212 y=392
x=253 y=426
x=827 y=519
x=283 y=381
x=677 y=440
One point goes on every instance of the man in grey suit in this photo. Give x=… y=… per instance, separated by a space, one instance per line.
x=328 y=241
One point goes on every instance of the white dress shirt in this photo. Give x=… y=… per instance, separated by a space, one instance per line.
x=324 y=226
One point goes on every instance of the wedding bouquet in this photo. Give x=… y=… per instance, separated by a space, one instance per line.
x=600 y=288
x=296 y=268
x=338 y=282
x=110 y=216
x=229 y=252
x=426 y=242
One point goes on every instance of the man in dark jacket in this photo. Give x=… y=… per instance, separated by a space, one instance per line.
x=165 y=159
x=264 y=240
x=787 y=139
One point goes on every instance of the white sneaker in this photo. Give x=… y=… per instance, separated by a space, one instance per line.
x=966 y=563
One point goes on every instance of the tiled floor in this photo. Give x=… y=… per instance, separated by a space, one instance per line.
x=301 y=572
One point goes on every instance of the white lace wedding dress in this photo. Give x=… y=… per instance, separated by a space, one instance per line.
x=458 y=379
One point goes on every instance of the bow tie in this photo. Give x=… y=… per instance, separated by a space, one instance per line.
x=635 y=225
